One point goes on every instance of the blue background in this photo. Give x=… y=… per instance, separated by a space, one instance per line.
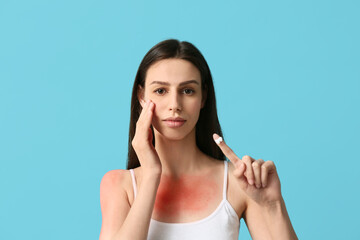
x=287 y=82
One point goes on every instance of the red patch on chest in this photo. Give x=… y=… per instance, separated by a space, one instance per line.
x=184 y=194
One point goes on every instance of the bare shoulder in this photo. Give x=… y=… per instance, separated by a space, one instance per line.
x=114 y=178
x=119 y=181
x=236 y=196
x=113 y=184
x=113 y=199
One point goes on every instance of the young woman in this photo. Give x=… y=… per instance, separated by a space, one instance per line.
x=179 y=184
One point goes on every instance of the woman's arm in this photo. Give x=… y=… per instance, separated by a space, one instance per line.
x=265 y=213
x=119 y=221
x=269 y=222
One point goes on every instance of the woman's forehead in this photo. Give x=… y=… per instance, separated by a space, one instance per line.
x=173 y=71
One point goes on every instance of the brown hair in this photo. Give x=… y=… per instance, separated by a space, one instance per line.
x=208 y=122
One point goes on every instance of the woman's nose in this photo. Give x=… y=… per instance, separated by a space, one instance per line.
x=175 y=102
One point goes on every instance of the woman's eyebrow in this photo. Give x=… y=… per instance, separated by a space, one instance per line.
x=181 y=84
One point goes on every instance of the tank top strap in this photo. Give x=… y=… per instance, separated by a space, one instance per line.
x=225 y=179
x=133 y=181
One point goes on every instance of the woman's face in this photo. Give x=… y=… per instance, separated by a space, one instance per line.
x=174 y=85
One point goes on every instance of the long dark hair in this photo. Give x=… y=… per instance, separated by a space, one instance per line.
x=208 y=122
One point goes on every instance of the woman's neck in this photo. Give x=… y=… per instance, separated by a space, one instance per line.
x=179 y=157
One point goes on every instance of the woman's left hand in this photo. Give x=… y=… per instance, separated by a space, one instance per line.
x=257 y=178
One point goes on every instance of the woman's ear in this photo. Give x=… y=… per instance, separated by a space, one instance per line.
x=140 y=95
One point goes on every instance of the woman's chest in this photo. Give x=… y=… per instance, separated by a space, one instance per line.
x=186 y=199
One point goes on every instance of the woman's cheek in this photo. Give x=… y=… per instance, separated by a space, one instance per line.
x=195 y=106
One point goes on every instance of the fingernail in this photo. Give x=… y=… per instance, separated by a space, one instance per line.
x=217 y=138
x=257 y=185
x=251 y=182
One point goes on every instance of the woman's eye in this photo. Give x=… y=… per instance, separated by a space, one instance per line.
x=160 y=91
x=188 y=91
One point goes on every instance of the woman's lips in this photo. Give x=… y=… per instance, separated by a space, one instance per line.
x=174 y=123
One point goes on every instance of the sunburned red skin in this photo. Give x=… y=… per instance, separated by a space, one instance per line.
x=183 y=195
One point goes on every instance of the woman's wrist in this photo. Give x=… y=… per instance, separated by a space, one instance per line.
x=275 y=206
x=278 y=220
x=151 y=175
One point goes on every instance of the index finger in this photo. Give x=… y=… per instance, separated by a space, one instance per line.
x=229 y=153
x=145 y=118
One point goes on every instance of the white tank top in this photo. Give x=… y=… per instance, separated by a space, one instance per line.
x=222 y=224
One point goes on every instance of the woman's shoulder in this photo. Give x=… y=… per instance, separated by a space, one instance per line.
x=114 y=177
x=116 y=182
x=118 y=176
x=234 y=194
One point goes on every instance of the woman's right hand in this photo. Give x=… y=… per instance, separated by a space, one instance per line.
x=142 y=141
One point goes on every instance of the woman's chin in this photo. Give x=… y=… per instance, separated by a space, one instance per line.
x=171 y=134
